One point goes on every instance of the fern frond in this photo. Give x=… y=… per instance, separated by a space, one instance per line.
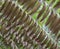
x=47 y=11
x=18 y=26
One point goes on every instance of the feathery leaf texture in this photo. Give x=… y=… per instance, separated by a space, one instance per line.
x=18 y=27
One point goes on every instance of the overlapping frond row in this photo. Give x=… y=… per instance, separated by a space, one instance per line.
x=46 y=11
x=7 y=33
x=18 y=26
